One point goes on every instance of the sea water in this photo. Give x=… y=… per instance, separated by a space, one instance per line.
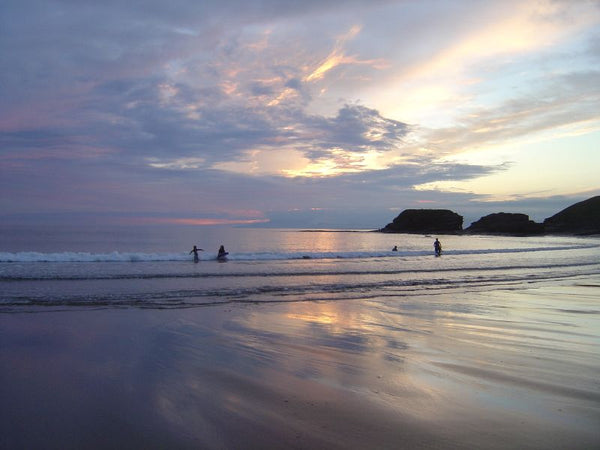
x=114 y=338
x=150 y=267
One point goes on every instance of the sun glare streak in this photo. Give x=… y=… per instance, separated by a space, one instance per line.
x=338 y=57
x=334 y=59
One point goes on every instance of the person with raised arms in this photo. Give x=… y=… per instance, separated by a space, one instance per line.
x=195 y=251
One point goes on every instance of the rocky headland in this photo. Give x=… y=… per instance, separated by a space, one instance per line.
x=582 y=218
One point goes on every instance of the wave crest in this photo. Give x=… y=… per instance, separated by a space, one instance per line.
x=24 y=257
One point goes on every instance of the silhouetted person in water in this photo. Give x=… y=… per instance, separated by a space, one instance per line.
x=437 y=246
x=195 y=251
x=222 y=253
x=395 y=249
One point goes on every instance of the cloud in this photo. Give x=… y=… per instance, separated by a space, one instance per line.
x=207 y=106
x=338 y=57
x=561 y=100
x=193 y=221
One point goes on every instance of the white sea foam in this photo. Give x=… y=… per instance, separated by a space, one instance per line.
x=24 y=257
x=89 y=257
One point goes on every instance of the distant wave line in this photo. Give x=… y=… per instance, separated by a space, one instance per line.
x=189 y=298
x=311 y=273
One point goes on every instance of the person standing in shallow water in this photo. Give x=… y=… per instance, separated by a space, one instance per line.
x=437 y=246
x=195 y=251
x=222 y=253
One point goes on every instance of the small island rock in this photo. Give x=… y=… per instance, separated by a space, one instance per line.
x=425 y=221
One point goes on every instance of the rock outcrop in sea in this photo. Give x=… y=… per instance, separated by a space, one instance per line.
x=425 y=221
x=506 y=223
x=580 y=218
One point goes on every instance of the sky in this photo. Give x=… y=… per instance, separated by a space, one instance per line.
x=316 y=114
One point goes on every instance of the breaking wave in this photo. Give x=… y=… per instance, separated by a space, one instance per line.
x=35 y=281
x=24 y=257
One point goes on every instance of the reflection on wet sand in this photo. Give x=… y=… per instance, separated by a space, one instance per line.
x=500 y=370
x=456 y=368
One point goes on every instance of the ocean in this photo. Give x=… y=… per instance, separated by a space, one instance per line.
x=112 y=337
x=150 y=267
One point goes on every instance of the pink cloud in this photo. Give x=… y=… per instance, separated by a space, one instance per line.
x=189 y=221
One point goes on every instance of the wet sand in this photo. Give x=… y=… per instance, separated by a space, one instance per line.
x=490 y=370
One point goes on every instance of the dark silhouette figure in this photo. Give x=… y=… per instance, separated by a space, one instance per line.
x=395 y=249
x=195 y=251
x=222 y=253
x=437 y=246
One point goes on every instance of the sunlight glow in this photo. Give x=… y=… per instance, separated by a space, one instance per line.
x=556 y=151
x=430 y=90
x=339 y=163
x=338 y=57
x=332 y=61
x=285 y=94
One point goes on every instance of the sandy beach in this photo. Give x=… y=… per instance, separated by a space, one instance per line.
x=494 y=370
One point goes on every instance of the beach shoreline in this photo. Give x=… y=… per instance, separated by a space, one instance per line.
x=501 y=369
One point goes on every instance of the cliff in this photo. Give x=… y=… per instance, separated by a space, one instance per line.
x=580 y=218
x=506 y=223
x=425 y=221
